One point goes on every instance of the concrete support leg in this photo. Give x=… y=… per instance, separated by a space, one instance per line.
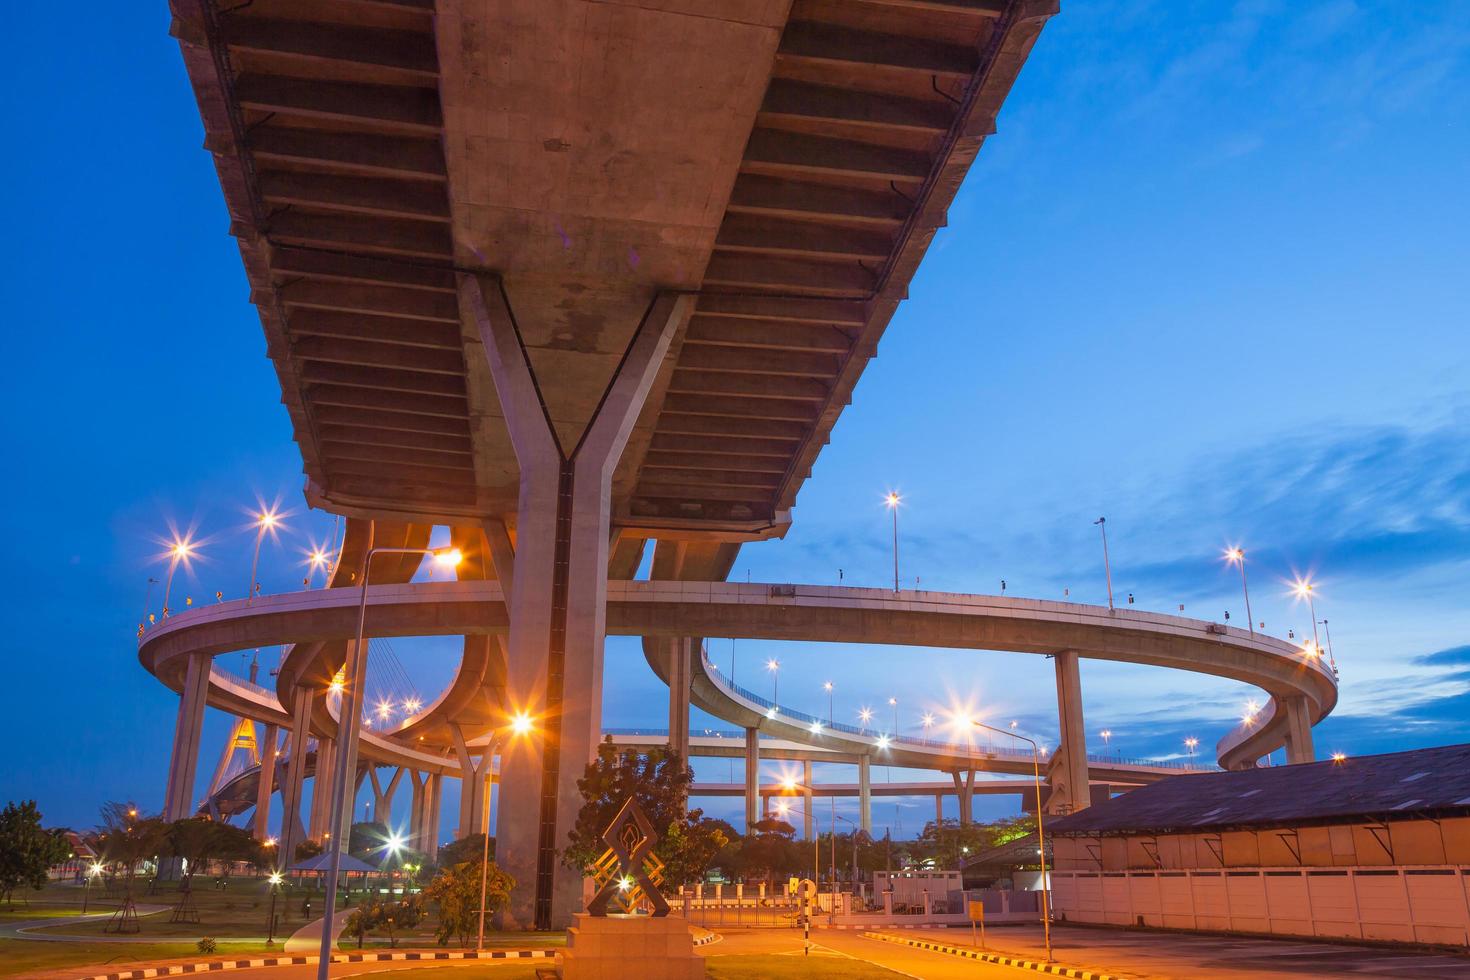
x=383 y=797
x=865 y=795
x=260 y=825
x=752 y=777
x=558 y=595
x=806 y=817
x=474 y=790
x=1069 y=772
x=680 y=672
x=416 y=810
x=320 y=826
x=293 y=792
x=178 y=800
x=1299 y=746
x=433 y=797
x=964 y=789
x=938 y=810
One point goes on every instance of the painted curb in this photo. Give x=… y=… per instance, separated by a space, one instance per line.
x=212 y=966
x=706 y=939
x=975 y=954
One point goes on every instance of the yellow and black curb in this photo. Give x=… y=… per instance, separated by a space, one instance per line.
x=975 y=954
x=212 y=966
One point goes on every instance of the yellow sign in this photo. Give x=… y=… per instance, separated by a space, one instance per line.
x=977 y=911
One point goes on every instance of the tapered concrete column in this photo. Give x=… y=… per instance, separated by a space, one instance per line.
x=433 y=797
x=752 y=777
x=680 y=672
x=938 y=810
x=1069 y=771
x=178 y=798
x=260 y=825
x=865 y=795
x=293 y=792
x=558 y=596
x=1299 y=746
x=321 y=793
x=383 y=798
x=474 y=784
x=416 y=809
x=964 y=789
x=806 y=817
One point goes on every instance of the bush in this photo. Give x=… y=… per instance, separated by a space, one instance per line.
x=205 y=946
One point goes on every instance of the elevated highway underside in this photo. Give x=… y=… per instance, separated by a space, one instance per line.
x=568 y=276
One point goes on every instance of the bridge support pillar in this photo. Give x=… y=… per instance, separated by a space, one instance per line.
x=260 y=825
x=1299 y=746
x=964 y=788
x=865 y=795
x=680 y=672
x=938 y=810
x=1069 y=776
x=806 y=817
x=320 y=826
x=433 y=797
x=416 y=809
x=752 y=777
x=558 y=595
x=178 y=800
x=383 y=798
x=294 y=789
x=474 y=784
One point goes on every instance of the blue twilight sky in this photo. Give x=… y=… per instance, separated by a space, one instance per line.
x=1209 y=279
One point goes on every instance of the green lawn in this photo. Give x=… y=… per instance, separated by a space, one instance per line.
x=772 y=967
x=21 y=957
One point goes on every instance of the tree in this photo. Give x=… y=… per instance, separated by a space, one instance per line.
x=127 y=838
x=770 y=849
x=308 y=849
x=27 y=850
x=470 y=848
x=659 y=781
x=456 y=892
x=368 y=841
x=947 y=844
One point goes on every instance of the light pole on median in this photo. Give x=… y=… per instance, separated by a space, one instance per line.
x=892 y=502
x=1040 y=832
x=265 y=521
x=349 y=721
x=1237 y=555
x=1102 y=523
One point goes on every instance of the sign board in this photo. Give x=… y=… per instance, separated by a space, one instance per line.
x=977 y=910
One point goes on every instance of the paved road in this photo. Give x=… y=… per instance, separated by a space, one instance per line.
x=1155 y=955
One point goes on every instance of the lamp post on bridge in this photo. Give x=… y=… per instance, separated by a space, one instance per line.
x=1102 y=524
x=265 y=521
x=1237 y=556
x=181 y=551
x=892 y=501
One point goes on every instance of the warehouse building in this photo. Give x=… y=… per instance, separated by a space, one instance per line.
x=1375 y=847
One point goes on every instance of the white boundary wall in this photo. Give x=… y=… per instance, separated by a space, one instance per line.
x=1426 y=904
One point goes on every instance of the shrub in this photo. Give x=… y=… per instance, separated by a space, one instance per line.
x=205 y=946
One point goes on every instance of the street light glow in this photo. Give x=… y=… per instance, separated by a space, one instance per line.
x=521 y=724
x=773 y=665
x=816 y=728
x=892 y=499
x=412 y=705
x=447 y=557
x=394 y=844
x=866 y=714
x=266 y=520
x=788 y=784
x=927 y=720
x=1339 y=756
x=771 y=712
x=275 y=878
x=882 y=741
x=827 y=687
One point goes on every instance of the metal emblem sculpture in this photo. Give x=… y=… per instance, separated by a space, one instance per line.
x=628 y=873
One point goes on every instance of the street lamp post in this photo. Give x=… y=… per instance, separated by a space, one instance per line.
x=350 y=722
x=1102 y=523
x=831 y=715
x=1107 y=735
x=1306 y=590
x=774 y=666
x=181 y=551
x=1237 y=555
x=266 y=521
x=892 y=501
x=1190 y=743
x=1040 y=831
x=270 y=926
x=1330 y=658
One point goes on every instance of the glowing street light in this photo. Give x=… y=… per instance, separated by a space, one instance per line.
x=274 y=883
x=1304 y=589
x=521 y=724
x=927 y=721
x=830 y=714
x=816 y=728
x=866 y=715
x=180 y=551
x=893 y=703
x=1107 y=736
x=266 y=520
x=353 y=698
x=317 y=560
x=1237 y=556
x=883 y=742
x=891 y=501
x=774 y=666
x=1339 y=756
x=412 y=705
x=1040 y=832
x=1190 y=743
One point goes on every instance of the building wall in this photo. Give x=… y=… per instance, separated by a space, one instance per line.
x=1399 y=843
x=1399 y=904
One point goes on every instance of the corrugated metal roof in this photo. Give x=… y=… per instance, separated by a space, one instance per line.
x=1400 y=784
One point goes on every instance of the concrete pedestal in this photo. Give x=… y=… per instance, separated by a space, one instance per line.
x=615 y=947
